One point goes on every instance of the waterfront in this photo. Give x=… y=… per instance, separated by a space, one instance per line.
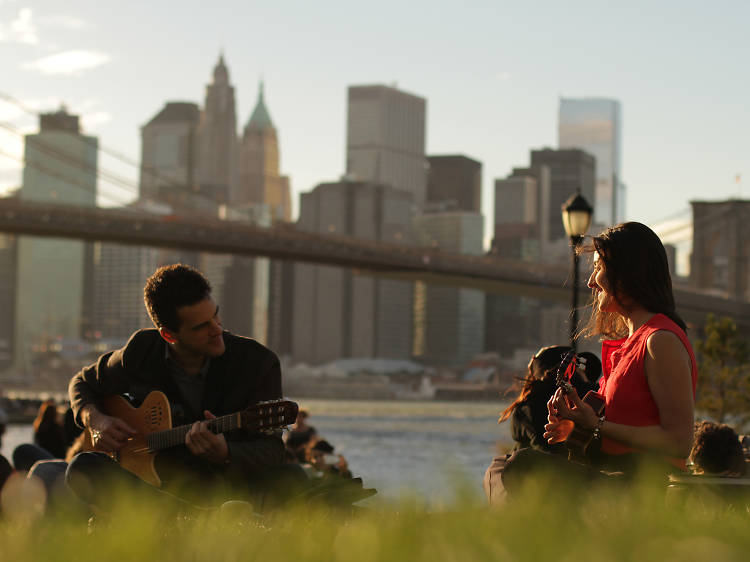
x=397 y=447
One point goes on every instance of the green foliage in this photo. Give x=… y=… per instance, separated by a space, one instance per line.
x=724 y=374
x=545 y=523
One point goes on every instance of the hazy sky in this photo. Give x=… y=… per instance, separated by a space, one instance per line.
x=492 y=73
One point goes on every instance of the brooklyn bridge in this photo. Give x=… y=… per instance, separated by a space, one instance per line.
x=285 y=242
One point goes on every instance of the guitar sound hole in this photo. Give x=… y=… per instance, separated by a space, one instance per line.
x=154 y=415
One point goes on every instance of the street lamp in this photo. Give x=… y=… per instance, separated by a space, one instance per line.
x=576 y=217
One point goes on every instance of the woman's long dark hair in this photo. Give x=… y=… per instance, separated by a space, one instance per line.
x=637 y=269
x=542 y=367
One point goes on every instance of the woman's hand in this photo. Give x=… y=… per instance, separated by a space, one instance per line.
x=565 y=411
x=557 y=429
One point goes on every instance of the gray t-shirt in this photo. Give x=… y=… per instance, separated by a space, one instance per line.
x=191 y=386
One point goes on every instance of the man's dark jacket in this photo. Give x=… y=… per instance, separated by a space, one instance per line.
x=246 y=373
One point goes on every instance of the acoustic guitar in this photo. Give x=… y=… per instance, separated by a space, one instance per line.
x=579 y=439
x=153 y=422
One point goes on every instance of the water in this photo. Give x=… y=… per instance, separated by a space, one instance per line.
x=397 y=447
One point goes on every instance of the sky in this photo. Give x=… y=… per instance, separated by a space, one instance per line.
x=492 y=73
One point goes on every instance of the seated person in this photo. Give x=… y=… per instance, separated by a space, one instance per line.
x=205 y=372
x=528 y=412
x=300 y=434
x=716 y=451
x=649 y=371
x=321 y=460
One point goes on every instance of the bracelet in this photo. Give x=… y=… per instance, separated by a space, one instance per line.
x=597 y=434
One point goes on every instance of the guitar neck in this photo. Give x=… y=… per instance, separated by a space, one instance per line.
x=160 y=440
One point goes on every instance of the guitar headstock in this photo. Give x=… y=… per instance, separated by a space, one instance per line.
x=566 y=370
x=273 y=414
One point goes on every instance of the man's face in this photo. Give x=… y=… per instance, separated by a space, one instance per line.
x=200 y=328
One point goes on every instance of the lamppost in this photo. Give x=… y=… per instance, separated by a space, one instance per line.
x=576 y=217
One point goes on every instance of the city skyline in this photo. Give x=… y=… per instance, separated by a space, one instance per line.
x=487 y=99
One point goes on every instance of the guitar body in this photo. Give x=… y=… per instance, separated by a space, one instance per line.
x=153 y=415
x=153 y=423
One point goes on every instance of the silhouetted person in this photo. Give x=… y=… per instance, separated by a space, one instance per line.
x=717 y=450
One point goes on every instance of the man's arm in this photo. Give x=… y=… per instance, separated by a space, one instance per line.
x=106 y=376
x=259 y=451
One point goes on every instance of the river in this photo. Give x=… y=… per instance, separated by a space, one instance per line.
x=419 y=448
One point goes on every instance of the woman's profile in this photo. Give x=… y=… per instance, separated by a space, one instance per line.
x=649 y=369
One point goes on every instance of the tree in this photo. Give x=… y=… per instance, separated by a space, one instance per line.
x=724 y=373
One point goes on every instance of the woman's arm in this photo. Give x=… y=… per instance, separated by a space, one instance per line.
x=669 y=376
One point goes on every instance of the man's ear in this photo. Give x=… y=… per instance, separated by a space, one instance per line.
x=167 y=336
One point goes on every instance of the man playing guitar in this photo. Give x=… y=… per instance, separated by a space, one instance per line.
x=204 y=372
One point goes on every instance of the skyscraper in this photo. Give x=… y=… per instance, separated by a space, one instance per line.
x=385 y=140
x=340 y=314
x=449 y=321
x=455 y=182
x=594 y=125
x=217 y=136
x=61 y=167
x=260 y=181
x=569 y=170
x=120 y=272
x=520 y=201
x=8 y=269
x=169 y=152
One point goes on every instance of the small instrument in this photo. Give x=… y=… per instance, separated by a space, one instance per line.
x=153 y=422
x=579 y=439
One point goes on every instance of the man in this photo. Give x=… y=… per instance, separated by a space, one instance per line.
x=205 y=372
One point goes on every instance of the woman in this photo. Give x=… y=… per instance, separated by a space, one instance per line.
x=528 y=412
x=649 y=368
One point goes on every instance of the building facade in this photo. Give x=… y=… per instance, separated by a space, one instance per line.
x=569 y=170
x=454 y=183
x=53 y=275
x=595 y=125
x=217 y=168
x=449 y=321
x=338 y=313
x=720 y=262
x=260 y=181
x=169 y=154
x=8 y=279
x=385 y=140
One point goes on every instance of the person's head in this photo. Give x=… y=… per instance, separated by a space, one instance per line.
x=716 y=450
x=46 y=415
x=316 y=452
x=3 y=423
x=302 y=416
x=631 y=272
x=542 y=366
x=544 y=363
x=179 y=302
x=592 y=366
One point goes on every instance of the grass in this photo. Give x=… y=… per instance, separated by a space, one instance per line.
x=543 y=523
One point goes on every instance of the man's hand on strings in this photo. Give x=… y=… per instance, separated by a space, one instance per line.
x=204 y=443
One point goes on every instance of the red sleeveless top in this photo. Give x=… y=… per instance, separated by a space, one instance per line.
x=627 y=396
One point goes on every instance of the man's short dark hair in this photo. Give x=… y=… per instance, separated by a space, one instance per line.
x=169 y=288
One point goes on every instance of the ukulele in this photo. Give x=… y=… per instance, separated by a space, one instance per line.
x=578 y=441
x=153 y=422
